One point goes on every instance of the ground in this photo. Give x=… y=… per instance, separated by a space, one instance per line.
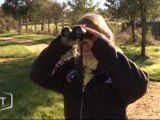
x=147 y=107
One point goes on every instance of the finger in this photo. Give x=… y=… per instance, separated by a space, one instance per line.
x=92 y=31
x=96 y=33
x=82 y=25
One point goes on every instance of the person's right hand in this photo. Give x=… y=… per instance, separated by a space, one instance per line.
x=95 y=33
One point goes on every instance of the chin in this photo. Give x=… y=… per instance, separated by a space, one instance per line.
x=87 y=54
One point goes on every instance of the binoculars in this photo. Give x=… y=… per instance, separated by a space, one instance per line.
x=75 y=33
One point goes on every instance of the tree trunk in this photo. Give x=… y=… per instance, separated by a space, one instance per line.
x=7 y=27
x=35 y=25
x=55 y=31
x=133 y=29
x=49 y=26
x=56 y=25
x=26 y=20
x=143 y=23
x=18 y=17
x=62 y=23
x=42 y=26
x=19 y=25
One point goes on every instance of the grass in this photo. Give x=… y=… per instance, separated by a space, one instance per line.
x=9 y=33
x=37 y=37
x=5 y=43
x=12 y=50
x=41 y=38
x=151 y=65
x=34 y=102
x=30 y=100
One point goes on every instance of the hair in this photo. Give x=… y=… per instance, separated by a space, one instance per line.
x=97 y=22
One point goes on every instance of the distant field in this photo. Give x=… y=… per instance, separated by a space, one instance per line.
x=35 y=37
x=52 y=27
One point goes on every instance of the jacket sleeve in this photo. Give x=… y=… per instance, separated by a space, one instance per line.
x=127 y=78
x=47 y=71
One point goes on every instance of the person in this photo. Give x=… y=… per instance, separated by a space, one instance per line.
x=110 y=83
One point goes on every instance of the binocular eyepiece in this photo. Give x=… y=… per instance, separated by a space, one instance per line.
x=76 y=32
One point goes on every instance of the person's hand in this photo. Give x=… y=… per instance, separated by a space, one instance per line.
x=95 y=33
x=68 y=42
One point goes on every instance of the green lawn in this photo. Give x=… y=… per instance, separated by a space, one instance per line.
x=9 y=33
x=30 y=100
x=151 y=65
x=13 y=50
x=34 y=102
x=37 y=37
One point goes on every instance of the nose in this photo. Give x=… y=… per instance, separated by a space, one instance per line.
x=85 y=42
x=86 y=45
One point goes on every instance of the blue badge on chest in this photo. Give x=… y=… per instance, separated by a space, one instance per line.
x=71 y=75
x=108 y=81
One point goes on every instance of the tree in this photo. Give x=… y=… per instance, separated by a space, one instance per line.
x=64 y=7
x=143 y=10
x=125 y=9
x=33 y=13
x=41 y=12
x=49 y=15
x=130 y=9
x=6 y=21
x=79 y=7
x=28 y=14
x=57 y=16
x=153 y=9
x=16 y=8
x=112 y=7
x=104 y=12
x=147 y=8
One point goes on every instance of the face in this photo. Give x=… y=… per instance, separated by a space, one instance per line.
x=88 y=41
x=87 y=45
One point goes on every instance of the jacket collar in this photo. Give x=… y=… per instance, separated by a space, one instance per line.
x=99 y=70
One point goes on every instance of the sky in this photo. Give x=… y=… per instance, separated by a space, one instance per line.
x=1 y=1
x=95 y=1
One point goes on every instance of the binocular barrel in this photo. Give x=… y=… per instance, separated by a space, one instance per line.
x=76 y=32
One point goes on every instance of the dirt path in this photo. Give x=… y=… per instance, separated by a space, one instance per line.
x=148 y=107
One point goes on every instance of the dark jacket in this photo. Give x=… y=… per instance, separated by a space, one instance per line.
x=116 y=82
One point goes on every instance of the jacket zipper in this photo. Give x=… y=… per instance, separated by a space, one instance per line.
x=83 y=91
x=80 y=77
x=81 y=108
x=82 y=100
